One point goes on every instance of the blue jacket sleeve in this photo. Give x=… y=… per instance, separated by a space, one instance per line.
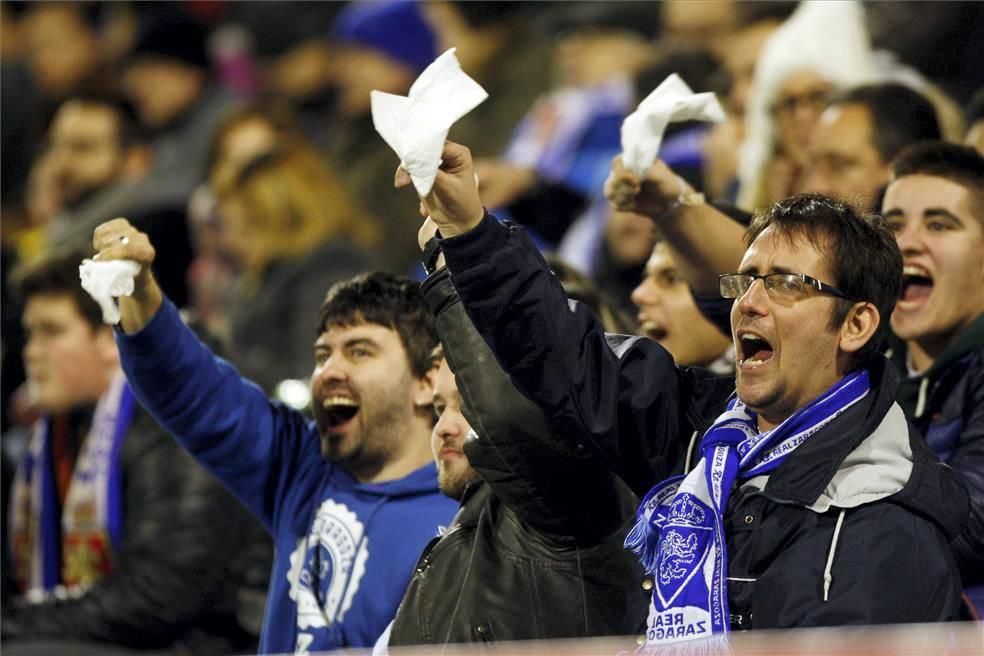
x=255 y=447
x=623 y=395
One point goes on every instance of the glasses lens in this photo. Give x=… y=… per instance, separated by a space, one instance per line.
x=786 y=285
x=733 y=286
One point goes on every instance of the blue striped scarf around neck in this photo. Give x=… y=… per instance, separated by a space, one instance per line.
x=679 y=530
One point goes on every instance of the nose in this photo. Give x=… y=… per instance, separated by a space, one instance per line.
x=754 y=302
x=909 y=239
x=645 y=294
x=332 y=370
x=448 y=427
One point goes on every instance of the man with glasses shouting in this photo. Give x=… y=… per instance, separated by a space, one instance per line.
x=794 y=495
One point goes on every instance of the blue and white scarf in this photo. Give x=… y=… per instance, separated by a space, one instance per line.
x=679 y=530
x=70 y=546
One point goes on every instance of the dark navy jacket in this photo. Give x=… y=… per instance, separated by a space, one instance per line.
x=891 y=560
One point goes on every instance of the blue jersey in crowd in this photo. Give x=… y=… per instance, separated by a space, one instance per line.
x=344 y=550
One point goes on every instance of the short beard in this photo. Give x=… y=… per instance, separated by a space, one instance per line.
x=454 y=485
x=374 y=445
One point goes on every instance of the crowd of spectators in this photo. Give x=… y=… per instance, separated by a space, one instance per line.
x=236 y=139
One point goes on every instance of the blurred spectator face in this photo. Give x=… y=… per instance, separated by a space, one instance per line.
x=668 y=314
x=591 y=57
x=798 y=105
x=62 y=49
x=975 y=136
x=698 y=22
x=305 y=71
x=630 y=237
x=939 y=231
x=244 y=142
x=364 y=393
x=454 y=472
x=739 y=58
x=237 y=237
x=162 y=89
x=85 y=153
x=360 y=71
x=844 y=162
x=69 y=362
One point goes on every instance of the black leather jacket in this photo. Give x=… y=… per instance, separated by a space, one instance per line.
x=536 y=549
x=177 y=576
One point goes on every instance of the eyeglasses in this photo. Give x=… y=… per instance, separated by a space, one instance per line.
x=785 y=286
x=787 y=106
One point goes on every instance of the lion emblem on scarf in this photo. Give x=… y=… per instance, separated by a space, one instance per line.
x=675 y=553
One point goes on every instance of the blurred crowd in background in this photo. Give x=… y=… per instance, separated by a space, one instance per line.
x=238 y=135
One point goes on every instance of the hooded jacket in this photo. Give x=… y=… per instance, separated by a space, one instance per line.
x=344 y=550
x=853 y=528
x=535 y=551
x=946 y=403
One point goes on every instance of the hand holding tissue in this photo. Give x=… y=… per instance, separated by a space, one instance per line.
x=106 y=281
x=416 y=125
x=671 y=101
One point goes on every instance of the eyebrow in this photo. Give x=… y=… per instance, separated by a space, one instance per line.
x=753 y=270
x=931 y=212
x=355 y=341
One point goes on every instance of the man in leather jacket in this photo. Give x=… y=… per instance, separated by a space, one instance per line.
x=156 y=570
x=535 y=551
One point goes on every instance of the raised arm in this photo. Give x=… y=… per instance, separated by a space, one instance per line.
x=704 y=241
x=624 y=398
x=257 y=448
x=557 y=486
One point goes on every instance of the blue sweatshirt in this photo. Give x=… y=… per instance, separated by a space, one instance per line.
x=344 y=550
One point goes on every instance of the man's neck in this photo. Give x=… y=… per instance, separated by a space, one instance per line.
x=414 y=452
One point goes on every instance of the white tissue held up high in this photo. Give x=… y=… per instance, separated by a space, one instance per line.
x=107 y=281
x=416 y=125
x=671 y=101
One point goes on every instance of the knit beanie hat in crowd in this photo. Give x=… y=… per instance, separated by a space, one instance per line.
x=394 y=27
x=174 y=35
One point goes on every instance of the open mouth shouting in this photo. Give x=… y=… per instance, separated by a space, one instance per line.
x=753 y=350
x=917 y=287
x=652 y=329
x=338 y=412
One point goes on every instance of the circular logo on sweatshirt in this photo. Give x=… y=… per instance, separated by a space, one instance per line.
x=327 y=566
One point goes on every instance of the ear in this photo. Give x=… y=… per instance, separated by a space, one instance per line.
x=859 y=327
x=423 y=388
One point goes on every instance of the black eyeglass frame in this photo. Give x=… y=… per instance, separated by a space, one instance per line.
x=818 y=285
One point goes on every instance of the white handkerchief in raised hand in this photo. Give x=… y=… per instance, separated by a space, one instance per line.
x=106 y=281
x=416 y=125
x=672 y=100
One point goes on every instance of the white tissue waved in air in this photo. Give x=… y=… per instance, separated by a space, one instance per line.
x=671 y=101
x=416 y=125
x=106 y=281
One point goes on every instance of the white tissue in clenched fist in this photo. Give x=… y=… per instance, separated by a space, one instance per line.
x=416 y=125
x=106 y=281
x=673 y=100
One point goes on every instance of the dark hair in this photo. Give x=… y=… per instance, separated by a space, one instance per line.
x=58 y=275
x=484 y=14
x=579 y=287
x=899 y=116
x=127 y=126
x=386 y=300
x=960 y=164
x=860 y=251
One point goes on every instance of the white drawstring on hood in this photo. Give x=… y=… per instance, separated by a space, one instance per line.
x=827 y=576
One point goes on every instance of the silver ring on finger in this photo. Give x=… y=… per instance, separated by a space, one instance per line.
x=124 y=240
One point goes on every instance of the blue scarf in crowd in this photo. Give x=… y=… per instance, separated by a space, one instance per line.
x=679 y=530
x=70 y=545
